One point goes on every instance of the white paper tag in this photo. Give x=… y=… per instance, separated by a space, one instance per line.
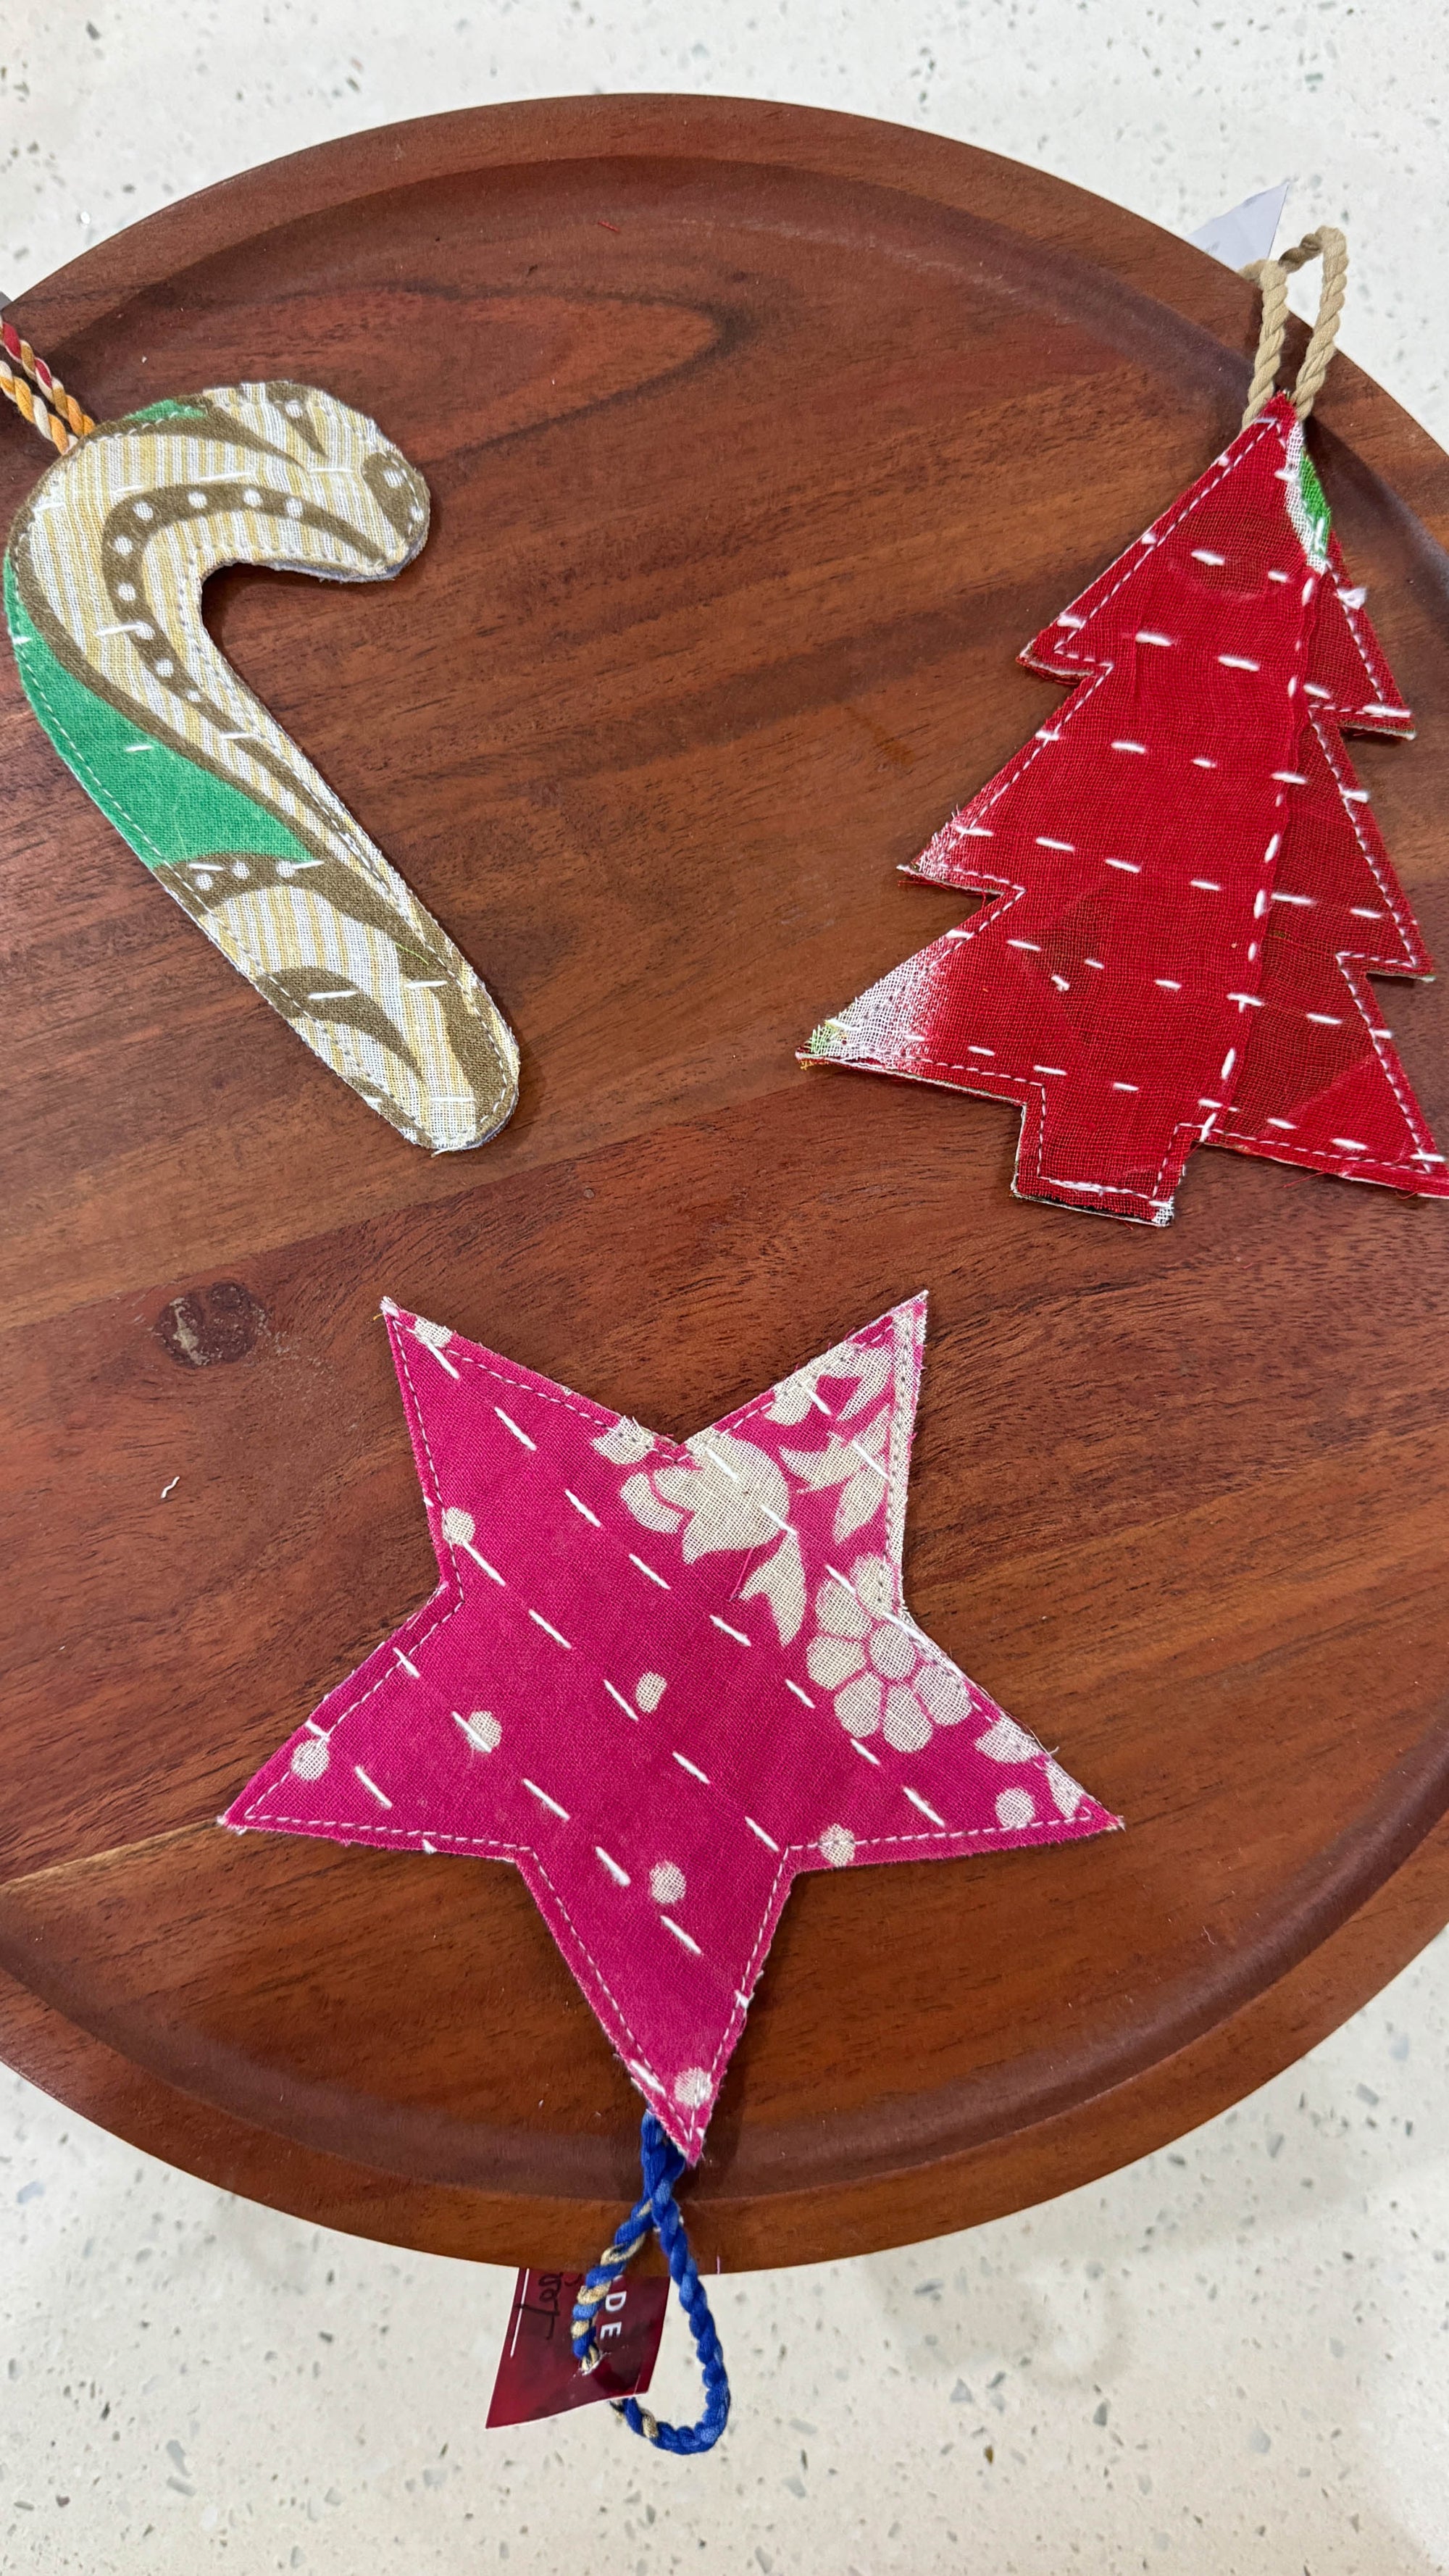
x=1245 y=232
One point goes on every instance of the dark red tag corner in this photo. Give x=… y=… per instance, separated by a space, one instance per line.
x=537 y=2372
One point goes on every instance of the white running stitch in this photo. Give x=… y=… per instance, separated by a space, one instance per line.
x=1225 y=465
x=1020 y=1091
x=1388 y=885
x=1353 y=615
x=449 y=1578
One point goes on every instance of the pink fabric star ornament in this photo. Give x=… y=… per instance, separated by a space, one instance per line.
x=661 y=1678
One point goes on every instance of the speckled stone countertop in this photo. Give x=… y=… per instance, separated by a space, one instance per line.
x=1176 y=108
x=1235 y=2355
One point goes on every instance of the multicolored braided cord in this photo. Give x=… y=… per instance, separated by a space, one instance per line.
x=49 y=408
x=658 y=2211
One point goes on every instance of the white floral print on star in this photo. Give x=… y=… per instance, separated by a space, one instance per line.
x=1008 y=1742
x=868 y=1656
x=728 y=1496
x=869 y=1366
x=857 y=1462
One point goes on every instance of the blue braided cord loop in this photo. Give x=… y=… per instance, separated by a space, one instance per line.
x=662 y=2166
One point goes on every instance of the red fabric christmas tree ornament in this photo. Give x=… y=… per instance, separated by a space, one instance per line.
x=1186 y=887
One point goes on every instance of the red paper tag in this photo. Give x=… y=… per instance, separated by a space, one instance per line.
x=537 y=2372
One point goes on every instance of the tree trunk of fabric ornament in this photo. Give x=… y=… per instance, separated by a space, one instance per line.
x=103 y=579
x=1186 y=887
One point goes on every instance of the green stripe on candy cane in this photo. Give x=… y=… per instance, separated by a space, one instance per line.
x=167 y=807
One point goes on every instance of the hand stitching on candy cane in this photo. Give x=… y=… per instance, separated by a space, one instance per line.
x=103 y=580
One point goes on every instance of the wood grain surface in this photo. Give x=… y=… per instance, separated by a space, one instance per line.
x=759 y=441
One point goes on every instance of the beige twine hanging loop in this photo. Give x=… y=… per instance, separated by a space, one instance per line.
x=1272 y=276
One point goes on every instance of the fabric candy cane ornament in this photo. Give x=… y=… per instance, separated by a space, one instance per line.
x=1186 y=887
x=663 y=1679
x=103 y=578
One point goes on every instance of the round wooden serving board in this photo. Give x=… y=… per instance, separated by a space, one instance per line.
x=760 y=441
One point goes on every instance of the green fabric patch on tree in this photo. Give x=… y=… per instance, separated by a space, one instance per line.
x=1315 y=503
